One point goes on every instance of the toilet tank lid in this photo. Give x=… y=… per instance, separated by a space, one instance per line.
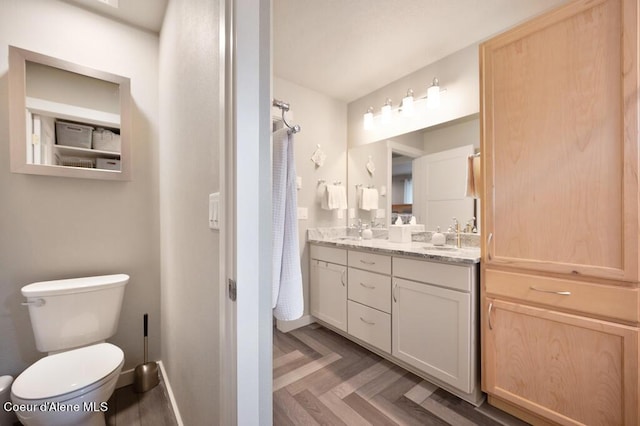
x=74 y=285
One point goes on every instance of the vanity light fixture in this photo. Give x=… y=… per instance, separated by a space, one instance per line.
x=407 y=104
x=433 y=94
x=368 y=119
x=386 y=111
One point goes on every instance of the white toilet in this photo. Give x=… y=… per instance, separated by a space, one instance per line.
x=70 y=320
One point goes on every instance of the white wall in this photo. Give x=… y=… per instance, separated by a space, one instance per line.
x=189 y=171
x=461 y=132
x=323 y=122
x=54 y=227
x=457 y=73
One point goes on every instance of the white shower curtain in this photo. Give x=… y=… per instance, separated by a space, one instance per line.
x=287 y=300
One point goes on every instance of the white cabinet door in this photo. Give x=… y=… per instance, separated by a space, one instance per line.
x=432 y=332
x=328 y=293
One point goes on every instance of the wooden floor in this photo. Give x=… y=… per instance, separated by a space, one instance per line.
x=321 y=378
x=152 y=408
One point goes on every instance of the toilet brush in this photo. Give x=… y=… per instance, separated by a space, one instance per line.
x=145 y=376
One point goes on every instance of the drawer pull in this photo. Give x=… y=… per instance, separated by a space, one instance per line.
x=489 y=316
x=342 y=278
x=366 y=262
x=393 y=293
x=561 y=293
x=489 y=245
x=370 y=287
x=367 y=322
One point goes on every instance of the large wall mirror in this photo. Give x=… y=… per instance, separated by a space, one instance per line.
x=66 y=119
x=421 y=174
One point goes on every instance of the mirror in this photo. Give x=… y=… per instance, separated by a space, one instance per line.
x=67 y=120
x=421 y=174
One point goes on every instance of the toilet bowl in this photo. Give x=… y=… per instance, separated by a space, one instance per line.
x=71 y=319
x=70 y=388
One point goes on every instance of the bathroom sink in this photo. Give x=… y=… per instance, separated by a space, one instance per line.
x=346 y=239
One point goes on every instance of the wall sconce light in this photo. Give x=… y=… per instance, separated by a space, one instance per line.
x=386 y=111
x=407 y=104
x=368 y=119
x=433 y=94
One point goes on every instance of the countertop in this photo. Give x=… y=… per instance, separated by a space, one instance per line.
x=420 y=250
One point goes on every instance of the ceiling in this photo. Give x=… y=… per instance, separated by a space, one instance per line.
x=145 y=14
x=349 y=48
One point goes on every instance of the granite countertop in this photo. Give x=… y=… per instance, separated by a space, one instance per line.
x=417 y=249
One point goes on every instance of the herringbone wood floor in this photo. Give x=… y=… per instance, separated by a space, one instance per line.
x=321 y=378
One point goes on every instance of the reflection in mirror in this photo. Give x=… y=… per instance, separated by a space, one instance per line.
x=401 y=187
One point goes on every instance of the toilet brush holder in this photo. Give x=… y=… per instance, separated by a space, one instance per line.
x=145 y=376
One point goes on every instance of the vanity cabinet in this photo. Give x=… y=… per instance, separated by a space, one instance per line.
x=369 y=293
x=420 y=314
x=434 y=319
x=559 y=119
x=328 y=286
x=66 y=119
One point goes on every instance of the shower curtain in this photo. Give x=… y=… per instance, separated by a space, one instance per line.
x=287 y=300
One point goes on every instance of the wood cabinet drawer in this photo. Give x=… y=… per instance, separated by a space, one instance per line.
x=451 y=276
x=620 y=303
x=329 y=254
x=371 y=262
x=370 y=289
x=369 y=325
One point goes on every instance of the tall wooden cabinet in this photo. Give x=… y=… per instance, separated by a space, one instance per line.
x=559 y=117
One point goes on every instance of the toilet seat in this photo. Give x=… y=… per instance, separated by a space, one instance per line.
x=69 y=374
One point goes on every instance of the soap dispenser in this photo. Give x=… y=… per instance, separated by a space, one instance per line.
x=438 y=238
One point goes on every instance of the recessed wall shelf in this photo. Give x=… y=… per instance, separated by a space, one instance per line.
x=44 y=91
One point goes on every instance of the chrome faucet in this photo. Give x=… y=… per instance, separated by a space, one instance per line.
x=359 y=227
x=456 y=229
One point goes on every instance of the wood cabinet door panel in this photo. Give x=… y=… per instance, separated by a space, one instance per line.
x=560 y=142
x=570 y=369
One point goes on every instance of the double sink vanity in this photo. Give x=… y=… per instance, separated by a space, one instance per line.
x=413 y=303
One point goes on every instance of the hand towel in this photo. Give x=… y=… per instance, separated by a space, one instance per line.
x=473 y=176
x=287 y=297
x=342 y=197
x=369 y=199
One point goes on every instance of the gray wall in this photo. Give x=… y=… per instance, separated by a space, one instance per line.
x=54 y=227
x=189 y=171
x=324 y=122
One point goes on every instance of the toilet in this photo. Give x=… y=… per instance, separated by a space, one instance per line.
x=71 y=319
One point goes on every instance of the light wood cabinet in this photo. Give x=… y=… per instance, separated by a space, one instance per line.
x=569 y=369
x=559 y=124
x=560 y=142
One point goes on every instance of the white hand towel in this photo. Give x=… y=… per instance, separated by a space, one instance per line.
x=342 y=200
x=287 y=300
x=369 y=199
x=324 y=197
x=333 y=194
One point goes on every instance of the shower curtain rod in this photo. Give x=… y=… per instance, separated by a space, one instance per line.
x=284 y=107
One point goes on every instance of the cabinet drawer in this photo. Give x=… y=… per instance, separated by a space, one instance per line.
x=329 y=254
x=370 y=262
x=369 y=325
x=451 y=276
x=370 y=289
x=621 y=303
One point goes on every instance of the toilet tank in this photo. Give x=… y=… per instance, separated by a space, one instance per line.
x=75 y=312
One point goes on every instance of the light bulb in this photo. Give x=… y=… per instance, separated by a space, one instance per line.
x=407 y=103
x=386 y=111
x=433 y=94
x=368 y=119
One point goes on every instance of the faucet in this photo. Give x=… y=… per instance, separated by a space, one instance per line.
x=359 y=227
x=456 y=229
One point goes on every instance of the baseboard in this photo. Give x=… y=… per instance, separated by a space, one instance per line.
x=287 y=326
x=172 y=399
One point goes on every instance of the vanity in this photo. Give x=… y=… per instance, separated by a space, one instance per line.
x=411 y=303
